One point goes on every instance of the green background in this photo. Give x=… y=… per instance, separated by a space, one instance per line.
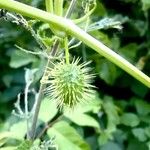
x=119 y=118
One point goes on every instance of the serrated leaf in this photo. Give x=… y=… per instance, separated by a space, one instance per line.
x=66 y=137
x=48 y=110
x=19 y=59
x=130 y=119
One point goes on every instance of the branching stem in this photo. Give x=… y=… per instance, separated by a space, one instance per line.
x=39 y=99
x=48 y=125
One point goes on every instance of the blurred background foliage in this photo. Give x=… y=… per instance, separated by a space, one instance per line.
x=119 y=117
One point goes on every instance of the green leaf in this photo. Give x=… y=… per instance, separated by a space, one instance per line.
x=147 y=131
x=94 y=105
x=112 y=114
x=129 y=51
x=139 y=133
x=18 y=130
x=100 y=9
x=146 y=4
x=19 y=59
x=101 y=36
x=25 y=145
x=145 y=119
x=7 y=79
x=48 y=110
x=66 y=137
x=142 y=107
x=4 y=137
x=82 y=119
x=130 y=1
x=136 y=145
x=79 y=115
x=111 y=146
x=130 y=119
x=104 y=137
x=139 y=26
x=107 y=71
x=8 y=148
x=139 y=89
x=112 y=120
x=10 y=93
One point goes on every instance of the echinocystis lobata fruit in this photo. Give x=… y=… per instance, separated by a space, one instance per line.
x=69 y=84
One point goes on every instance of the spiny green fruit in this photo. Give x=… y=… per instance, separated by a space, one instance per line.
x=70 y=84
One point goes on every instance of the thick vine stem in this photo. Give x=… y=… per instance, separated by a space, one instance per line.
x=70 y=28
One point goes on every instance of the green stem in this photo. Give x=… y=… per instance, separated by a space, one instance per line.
x=84 y=18
x=26 y=107
x=36 y=113
x=66 y=49
x=69 y=27
x=39 y=99
x=70 y=9
x=42 y=86
x=49 y=6
x=58 y=7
